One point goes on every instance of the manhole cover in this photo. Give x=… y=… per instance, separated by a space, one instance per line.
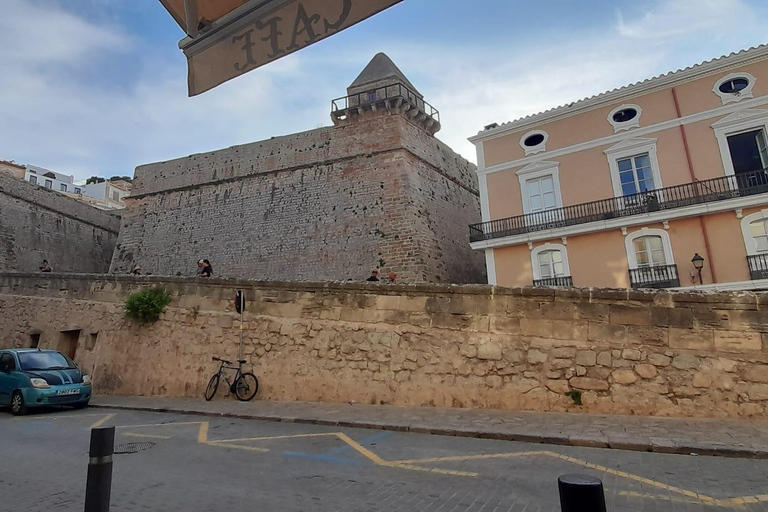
x=132 y=447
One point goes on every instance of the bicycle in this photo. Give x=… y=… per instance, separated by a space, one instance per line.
x=244 y=386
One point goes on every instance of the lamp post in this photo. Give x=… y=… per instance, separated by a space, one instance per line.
x=698 y=264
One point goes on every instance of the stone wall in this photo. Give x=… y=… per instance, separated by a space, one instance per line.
x=37 y=224
x=670 y=354
x=328 y=204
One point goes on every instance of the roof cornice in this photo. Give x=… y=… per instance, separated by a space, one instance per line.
x=629 y=91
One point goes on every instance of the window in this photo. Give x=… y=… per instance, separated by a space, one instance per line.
x=44 y=361
x=743 y=141
x=34 y=340
x=33 y=180
x=755 y=231
x=735 y=87
x=635 y=174
x=48 y=184
x=115 y=195
x=7 y=362
x=540 y=187
x=634 y=167
x=534 y=142
x=63 y=187
x=550 y=261
x=625 y=117
x=78 y=190
x=649 y=251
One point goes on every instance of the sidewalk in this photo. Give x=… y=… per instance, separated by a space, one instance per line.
x=726 y=438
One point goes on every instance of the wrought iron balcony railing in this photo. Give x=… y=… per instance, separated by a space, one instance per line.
x=758 y=266
x=562 y=281
x=699 y=192
x=661 y=276
x=391 y=96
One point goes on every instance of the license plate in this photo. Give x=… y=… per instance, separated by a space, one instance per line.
x=68 y=392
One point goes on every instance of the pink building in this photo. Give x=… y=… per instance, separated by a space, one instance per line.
x=634 y=187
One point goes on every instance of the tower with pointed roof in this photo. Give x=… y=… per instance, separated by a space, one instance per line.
x=382 y=87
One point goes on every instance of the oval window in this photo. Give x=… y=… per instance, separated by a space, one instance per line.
x=734 y=86
x=534 y=140
x=622 y=116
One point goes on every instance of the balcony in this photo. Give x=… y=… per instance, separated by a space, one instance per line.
x=391 y=97
x=661 y=276
x=562 y=281
x=669 y=198
x=758 y=266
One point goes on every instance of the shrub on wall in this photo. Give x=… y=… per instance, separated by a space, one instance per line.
x=147 y=305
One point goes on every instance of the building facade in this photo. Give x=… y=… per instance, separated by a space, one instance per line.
x=52 y=180
x=637 y=187
x=108 y=194
x=376 y=190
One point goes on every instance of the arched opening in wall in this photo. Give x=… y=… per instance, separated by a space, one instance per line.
x=34 y=340
x=68 y=342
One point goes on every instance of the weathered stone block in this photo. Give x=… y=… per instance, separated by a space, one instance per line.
x=630 y=315
x=388 y=302
x=757 y=373
x=624 y=377
x=586 y=357
x=734 y=341
x=691 y=339
x=560 y=364
x=607 y=332
x=558 y=386
x=489 y=351
x=467 y=350
x=570 y=330
x=659 y=360
x=757 y=391
x=701 y=380
x=648 y=335
x=536 y=327
x=588 y=384
x=646 y=371
x=505 y=324
x=536 y=357
x=686 y=362
x=563 y=352
x=604 y=358
x=632 y=354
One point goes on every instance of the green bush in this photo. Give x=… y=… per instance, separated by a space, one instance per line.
x=147 y=305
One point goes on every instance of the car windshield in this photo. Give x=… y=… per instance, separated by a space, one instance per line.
x=44 y=361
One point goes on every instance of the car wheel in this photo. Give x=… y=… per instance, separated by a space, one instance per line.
x=18 y=407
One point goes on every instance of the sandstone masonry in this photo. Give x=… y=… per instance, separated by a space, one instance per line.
x=37 y=223
x=378 y=190
x=628 y=352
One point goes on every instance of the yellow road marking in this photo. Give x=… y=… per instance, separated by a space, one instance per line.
x=103 y=420
x=273 y=438
x=462 y=458
x=131 y=434
x=162 y=424
x=202 y=435
x=236 y=446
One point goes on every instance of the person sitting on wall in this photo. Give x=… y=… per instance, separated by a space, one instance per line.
x=205 y=268
x=374 y=276
x=46 y=267
x=136 y=271
x=392 y=278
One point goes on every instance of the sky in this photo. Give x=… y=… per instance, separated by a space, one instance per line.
x=98 y=87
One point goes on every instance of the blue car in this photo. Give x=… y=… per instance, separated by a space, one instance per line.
x=38 y=378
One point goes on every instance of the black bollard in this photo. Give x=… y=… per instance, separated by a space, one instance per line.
x=581 y=493
x=99 y=485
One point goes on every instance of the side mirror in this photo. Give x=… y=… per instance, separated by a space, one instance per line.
x=5 y=368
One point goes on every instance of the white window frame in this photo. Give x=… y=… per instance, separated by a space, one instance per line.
x=666 y=243
x=532 y=150
x=744 y=94
x=539 y=170
x=734 y=124
x=549 y=247
x=627 y=125
x=47 y=181
x=630 y=148
x=749 y=241
x=31 y=178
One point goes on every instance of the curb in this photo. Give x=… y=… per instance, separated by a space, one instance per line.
x=654 y=445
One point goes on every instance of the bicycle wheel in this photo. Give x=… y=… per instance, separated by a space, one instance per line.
x=246 y=387
x=213 y=385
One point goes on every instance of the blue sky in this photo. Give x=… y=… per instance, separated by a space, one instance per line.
x=99 y=86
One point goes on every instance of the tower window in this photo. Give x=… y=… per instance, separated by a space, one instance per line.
x=625 y=117
x=627 y=114
x=734 y=86
x=534 y=140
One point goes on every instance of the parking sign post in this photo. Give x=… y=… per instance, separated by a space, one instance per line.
x=99 y=485
x=240 y=308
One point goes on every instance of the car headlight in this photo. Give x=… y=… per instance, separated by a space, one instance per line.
x=86 y=380
x=39 y=383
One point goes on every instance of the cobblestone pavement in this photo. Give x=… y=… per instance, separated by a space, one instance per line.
x=199 y=463
x=731 y=438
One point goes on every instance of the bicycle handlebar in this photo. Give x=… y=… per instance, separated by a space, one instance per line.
x=221 y=360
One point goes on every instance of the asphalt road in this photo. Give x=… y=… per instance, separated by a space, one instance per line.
x=194 y=463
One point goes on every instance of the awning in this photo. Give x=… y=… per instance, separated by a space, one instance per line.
x=228 y=38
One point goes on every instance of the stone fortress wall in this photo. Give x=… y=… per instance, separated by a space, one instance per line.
x=625 y=352
x=37 y=224
x=328 y=204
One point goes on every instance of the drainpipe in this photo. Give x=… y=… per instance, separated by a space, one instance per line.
x=704 y=231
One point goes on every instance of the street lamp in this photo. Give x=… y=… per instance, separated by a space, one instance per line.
x=698 y=264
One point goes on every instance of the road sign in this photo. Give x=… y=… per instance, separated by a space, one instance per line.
x=257 y=32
